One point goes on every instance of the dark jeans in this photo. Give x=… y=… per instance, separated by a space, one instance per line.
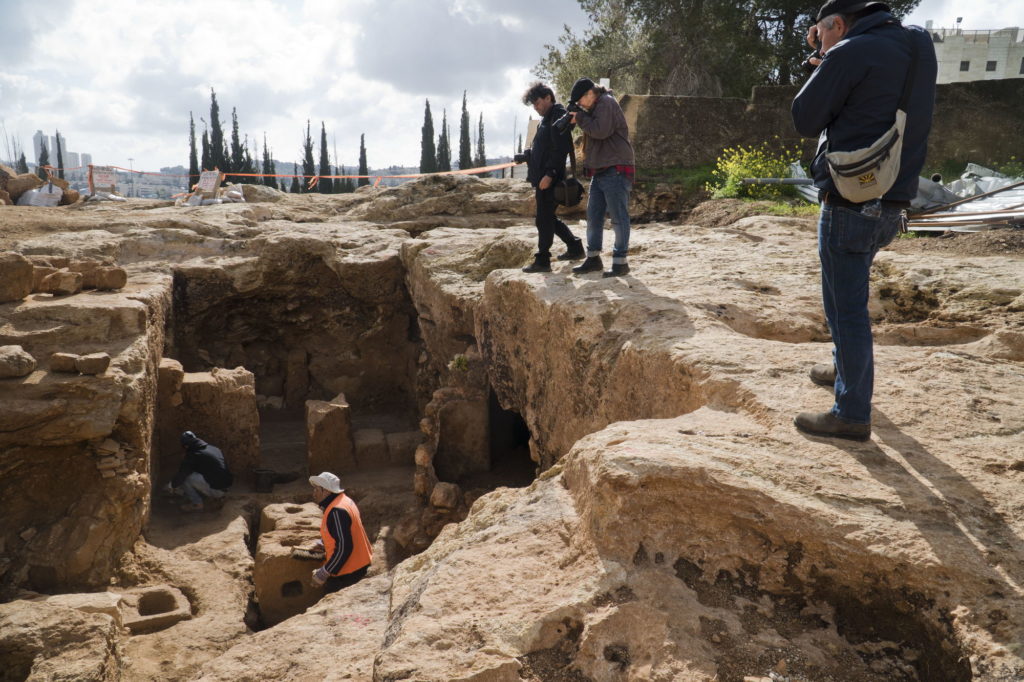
x=847 y=244
x=548 y=224
x=609 y=192
x=340 y=582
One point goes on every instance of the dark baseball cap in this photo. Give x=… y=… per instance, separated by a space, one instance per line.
x=580 y=88
x=848 y=7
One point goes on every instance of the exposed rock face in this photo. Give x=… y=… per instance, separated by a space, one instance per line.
x=679 y=528
x=15 y=277
x=282 y=582
x=70 y=530
x=335 y=639
x=329 y=443
x=15 y=362
x=45 y=641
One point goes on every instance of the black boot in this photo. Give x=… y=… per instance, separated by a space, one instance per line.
x=618 y=270
x=574 y=251
x=592 y=264
x=541 y=263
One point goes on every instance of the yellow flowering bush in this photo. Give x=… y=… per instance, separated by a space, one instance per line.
x=1013 y=168
x=759 y=161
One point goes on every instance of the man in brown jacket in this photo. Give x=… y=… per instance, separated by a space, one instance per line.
x=611 y=165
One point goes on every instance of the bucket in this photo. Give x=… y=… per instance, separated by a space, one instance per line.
x=264 y=480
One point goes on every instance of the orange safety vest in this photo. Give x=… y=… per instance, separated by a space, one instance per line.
x=361 y=554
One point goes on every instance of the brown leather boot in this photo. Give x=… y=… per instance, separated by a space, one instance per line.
x=823 y=374
x=827 y=425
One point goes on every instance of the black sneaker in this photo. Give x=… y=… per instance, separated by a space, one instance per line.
x=574 y=251
x=828 y=425
x=592 y=264
x=540 y=264
x=618 y=270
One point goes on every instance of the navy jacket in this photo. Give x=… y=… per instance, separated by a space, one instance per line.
x=207 y=460
x=547 y=156
x=851 y=98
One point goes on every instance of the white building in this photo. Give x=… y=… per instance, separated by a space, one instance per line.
x=39 y=140
x=86 y=159
x=978 y=55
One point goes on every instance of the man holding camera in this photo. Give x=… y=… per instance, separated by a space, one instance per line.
x=867 y=67
x=611 y=166
x=545 y=162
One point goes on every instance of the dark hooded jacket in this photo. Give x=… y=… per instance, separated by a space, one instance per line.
x=206 y=459
x=550 y=147
x=851 y=98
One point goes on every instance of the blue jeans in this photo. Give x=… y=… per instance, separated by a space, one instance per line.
x=609 y=192
x=847 y=244
x=195 y=485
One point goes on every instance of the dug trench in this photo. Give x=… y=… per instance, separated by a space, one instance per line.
x=602 y=483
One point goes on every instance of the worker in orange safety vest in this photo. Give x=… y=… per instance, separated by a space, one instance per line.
x=346 y=546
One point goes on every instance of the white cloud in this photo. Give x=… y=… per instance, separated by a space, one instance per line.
x=119 y=78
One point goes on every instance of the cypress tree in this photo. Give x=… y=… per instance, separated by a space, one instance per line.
x=218 y=158
x=296 y=185
x=236 y=162
x=22 y=165
x=193 y=160
x=60 y=158
x=428 y=152
x=481 y=154
x=44 y=160
x=308 y=167
x=207 y=157
x=520 y=149
x=364 y=169
x=465 y=153
x=268 y=166
x=444 y=147
x=326 y=184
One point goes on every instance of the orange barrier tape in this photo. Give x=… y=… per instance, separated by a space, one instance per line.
x=314 y=180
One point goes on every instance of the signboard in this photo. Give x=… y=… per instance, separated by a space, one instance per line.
x=209 y=181
x=102 y=178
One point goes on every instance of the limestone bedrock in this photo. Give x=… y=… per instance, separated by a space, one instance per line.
x=679 y=527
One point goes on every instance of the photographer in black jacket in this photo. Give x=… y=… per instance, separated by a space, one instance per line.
x=545 y=166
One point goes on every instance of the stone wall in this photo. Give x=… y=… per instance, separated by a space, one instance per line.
x=74 y=482
x=977 y=122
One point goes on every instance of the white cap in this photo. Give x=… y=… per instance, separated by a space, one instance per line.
x=327 y=481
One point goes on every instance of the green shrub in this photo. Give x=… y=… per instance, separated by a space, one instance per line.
x=761 y=161
x=1013 y=168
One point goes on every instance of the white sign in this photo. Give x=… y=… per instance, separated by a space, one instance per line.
x=104 y=176
x=208 y=181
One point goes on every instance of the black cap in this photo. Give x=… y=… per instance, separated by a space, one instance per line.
x=580 y=88
x=847 y=7
x=188 y=438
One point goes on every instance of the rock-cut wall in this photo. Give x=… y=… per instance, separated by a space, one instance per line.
x=74 y=487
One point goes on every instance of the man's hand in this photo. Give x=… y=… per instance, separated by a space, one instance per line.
x=572 y=116
x=545 y=182
x=319 y=577
x=812 y=37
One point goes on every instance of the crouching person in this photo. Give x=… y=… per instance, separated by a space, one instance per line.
x=203 y=473
x=346 y=546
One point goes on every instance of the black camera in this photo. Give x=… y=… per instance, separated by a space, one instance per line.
x=522 y=157
x=562 y=124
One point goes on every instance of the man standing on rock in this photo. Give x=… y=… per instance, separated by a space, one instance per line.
x=610 y=164
x=545 y=163
x=203 y=472
x=850 y=101
x=345 y=543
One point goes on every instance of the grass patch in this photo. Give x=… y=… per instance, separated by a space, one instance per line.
x=690 y=179
x=793 y=210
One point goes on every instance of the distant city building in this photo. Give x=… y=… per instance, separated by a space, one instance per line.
x=71 y=159
x=39 y=140
x=86 y=159
x=53 y=148
x=978 y=55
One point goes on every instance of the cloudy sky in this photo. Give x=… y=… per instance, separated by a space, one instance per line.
x=118 y=78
